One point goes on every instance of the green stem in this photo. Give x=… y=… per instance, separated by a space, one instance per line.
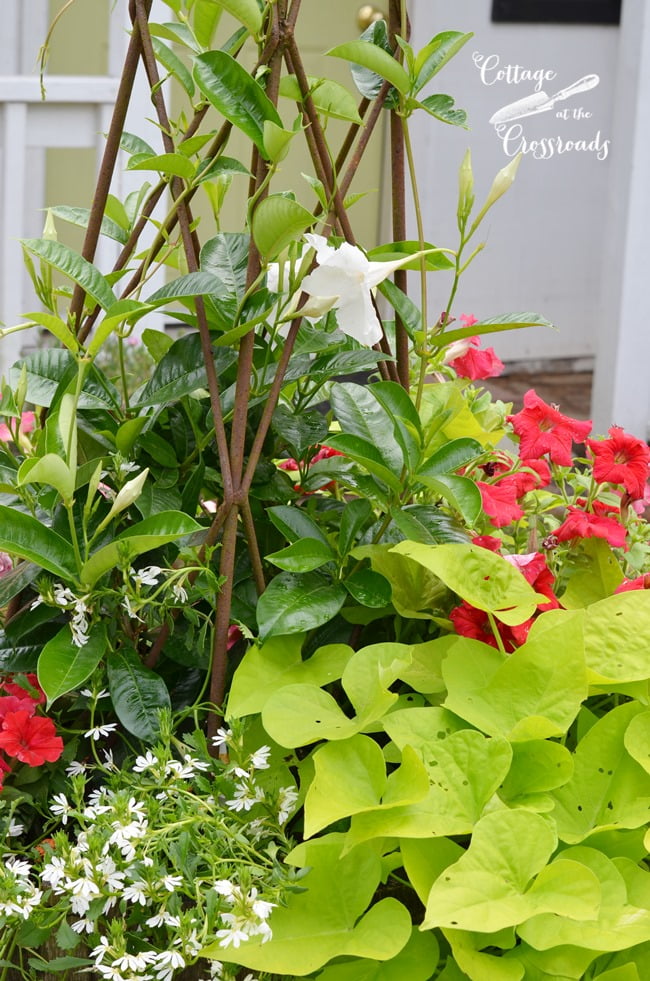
x=423 y=262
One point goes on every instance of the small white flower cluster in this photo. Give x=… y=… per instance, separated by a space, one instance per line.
x=139 y=866
x=19 y=896
x=150 y=575
x=247 y=792
x=64 y=598
x=247 y=917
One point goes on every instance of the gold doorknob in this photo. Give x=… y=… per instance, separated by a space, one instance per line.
x=367 y=14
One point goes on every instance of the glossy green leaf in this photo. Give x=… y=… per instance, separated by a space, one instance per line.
x=479 y=577
x=461 y=493
x=609 y=789
x=361 y=414
x=530 y=694
x=166 y=56
x=26 y=537
x=404 y=307
x=17 y=579
x=436 y=54
x=74 y=266
x=355 y=517
x=138 y=694
x=369 y=588
x=226 y=257
x=328 y=97
x=181 y=371
x=454 y=455
x=299 y=430
x=186 y=287
x=47 y=368
x=235 y=94
x=295 y=524
x=328 y=919
x=350 y=778
x=51 y=470
x=505 y=321
x=433 y=258
x=81 y=216
x=57 y=327
x=292 y=604
x=442 y=107
x=302 y=556
x=277 y=222
x=63 y=666
x=247 y=13
x=160 y=529
x=169 y=164
x=368 y=456
x=374 y=58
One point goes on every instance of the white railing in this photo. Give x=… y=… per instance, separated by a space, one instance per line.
x=75 y=115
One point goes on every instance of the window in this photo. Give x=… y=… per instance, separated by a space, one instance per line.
x=557 y=11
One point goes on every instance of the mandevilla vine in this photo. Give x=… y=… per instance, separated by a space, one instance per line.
x=305 y=670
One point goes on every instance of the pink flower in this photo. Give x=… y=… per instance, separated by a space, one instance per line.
x=27 y=423
x=641 y=582
x=477 y=364
x=6 y=564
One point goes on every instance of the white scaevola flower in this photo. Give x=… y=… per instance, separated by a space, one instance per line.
x=260 y=758
x=98 y=731
x=346 y=276
x=146 y=577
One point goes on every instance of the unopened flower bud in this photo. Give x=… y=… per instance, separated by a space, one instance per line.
x=465 y=188
x=500 y=185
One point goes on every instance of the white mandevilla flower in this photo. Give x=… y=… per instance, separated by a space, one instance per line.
x=346 y=276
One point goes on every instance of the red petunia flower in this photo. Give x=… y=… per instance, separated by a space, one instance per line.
x=533 y=474
x=500 y=501
x=534 y=569
x=31 y=739
x=476 y=364
x=489 y=542
x=584 y=524
x=36 y=693
x=12 y=703
x=641 y=582
x=468 y=621
x=621 y=459
x=543 y=429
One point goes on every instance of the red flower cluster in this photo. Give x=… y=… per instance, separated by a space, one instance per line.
x=25 y=736
x=324 y=453
x=471 y=622
x=476 y=363
x=501 y=498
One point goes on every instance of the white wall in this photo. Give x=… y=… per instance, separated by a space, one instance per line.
x=545 y=237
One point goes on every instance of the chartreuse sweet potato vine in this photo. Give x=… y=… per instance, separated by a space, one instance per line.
x=303 y=672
